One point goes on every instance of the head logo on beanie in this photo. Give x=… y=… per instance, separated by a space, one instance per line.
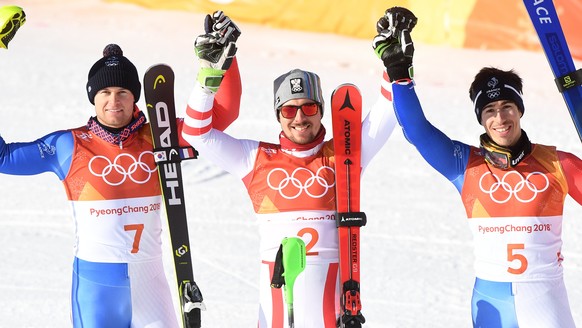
x=113 y=70
x=297 y=84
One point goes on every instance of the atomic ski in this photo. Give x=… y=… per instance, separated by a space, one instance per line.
x=346 y=112
x=569 y=80
x=159 y=97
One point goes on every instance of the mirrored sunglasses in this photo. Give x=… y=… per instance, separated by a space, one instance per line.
x=289 y=111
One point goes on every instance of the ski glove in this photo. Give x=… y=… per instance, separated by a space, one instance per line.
x=222 y=24
x=393 y=45
x=11 y=19
x=216 y=49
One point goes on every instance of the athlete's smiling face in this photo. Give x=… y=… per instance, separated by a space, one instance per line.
x=114 y=106
x=501 y=120
x=301 y=129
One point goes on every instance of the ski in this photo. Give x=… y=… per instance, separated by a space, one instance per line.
x=346 y=112
x=569 y=80
x=159 y=97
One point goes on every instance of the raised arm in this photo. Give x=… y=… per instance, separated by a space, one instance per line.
x=380 y=121
x=51 y=153
x=394 y=46
x=216 y=51
x=378 y=124
x=215 y=97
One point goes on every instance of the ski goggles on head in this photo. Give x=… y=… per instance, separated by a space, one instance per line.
x=495 y=155
x=289 y=111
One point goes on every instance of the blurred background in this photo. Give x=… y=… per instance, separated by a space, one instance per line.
x=474 y=24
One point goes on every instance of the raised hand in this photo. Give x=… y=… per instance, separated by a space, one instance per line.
x=226 y=28
x=216 y=49
x=393 y=45
x=11 y=19
x=395 y=20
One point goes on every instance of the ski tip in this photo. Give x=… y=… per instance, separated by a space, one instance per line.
x=159 y=65
x=156 y=72
x=347 y=85
x=344 y=92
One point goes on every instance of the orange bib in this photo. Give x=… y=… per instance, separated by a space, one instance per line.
x=536 y=187
x=283 y=183
x=103 y=171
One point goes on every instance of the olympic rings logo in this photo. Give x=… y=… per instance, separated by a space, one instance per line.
x=525 y=190
x=301 y=180
x=124 y=166
x=493 y=94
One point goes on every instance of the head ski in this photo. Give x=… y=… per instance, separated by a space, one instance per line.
x=159 y=95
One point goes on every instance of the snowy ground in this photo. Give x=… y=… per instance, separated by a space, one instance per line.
x=416 y=249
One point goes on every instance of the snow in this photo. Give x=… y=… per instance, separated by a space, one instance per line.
x=416 y=249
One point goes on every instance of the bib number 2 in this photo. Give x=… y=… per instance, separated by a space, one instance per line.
x=314 y=238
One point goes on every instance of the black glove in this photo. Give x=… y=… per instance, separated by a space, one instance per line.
x=219 y=23
x=393 y=45
x=216 y=49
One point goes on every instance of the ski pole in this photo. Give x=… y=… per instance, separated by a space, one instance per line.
x=290 y=262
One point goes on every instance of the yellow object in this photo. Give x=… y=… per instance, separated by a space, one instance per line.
x=476 y=24
x=11 y=18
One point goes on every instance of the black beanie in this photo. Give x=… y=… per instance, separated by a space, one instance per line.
x=113 y=70
x=492 y=84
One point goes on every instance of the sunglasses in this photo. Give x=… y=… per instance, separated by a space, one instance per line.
x=289 y=111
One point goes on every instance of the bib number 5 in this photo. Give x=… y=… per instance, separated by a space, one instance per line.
x=513 y=256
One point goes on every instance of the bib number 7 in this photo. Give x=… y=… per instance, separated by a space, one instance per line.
x=136 y=237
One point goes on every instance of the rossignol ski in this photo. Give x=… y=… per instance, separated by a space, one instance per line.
x=159 y=97
x=346 y=112
x=569 y=80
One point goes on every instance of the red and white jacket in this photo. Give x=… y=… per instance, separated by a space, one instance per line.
x=293 y=194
